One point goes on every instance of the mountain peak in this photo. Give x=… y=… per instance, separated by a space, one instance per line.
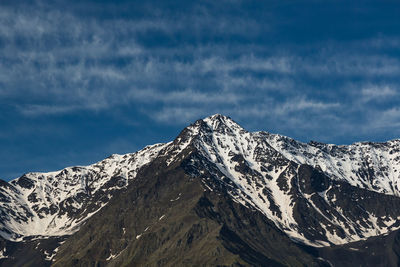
x=219 y=122
x=218 y=116
x=315 y=194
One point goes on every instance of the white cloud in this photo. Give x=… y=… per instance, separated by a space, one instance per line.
x=181 y=97
x=377 y=92
x=301 y=104
x=348 y=64
x=67 y=63
x=178 y=115
x=386 y=119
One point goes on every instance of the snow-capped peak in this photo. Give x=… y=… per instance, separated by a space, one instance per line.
x=266 y=171
x=221 y=123
x=274 y=174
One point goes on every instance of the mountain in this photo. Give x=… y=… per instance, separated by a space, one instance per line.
x=56 y=203
x=216 y=195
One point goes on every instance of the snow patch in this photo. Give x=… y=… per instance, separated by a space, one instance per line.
x=3 y=254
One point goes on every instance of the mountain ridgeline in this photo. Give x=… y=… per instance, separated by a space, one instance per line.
x=217 y=195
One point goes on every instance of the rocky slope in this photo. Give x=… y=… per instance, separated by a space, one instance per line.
x=217 y=194
x=56 y=203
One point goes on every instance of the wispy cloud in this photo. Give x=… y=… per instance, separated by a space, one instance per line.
x=296 y=105
x=388 y=119
x=55 y=62
x=139 y=67
x=174 y=115
x=378 y=92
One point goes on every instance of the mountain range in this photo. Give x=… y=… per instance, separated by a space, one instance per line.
x=217 y=195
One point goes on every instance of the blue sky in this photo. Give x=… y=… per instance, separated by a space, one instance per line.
x=82 y=80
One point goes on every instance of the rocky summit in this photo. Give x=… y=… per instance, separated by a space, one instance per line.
x=217 y=195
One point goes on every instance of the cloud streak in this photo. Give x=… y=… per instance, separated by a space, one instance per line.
x=55 y=63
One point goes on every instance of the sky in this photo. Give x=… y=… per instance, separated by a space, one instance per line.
x=81 y=80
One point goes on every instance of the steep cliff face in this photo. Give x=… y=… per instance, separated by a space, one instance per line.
x=216 y=195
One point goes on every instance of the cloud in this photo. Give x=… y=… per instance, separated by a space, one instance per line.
x=187 y=96
x=35 y=110
x=174 y=115
x=388 y=119
x=301 y=104
x=377 y=92
x=55 y=62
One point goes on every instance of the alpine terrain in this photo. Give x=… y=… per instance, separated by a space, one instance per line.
x=216 y=195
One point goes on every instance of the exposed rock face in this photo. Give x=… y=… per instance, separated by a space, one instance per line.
x=216 y=195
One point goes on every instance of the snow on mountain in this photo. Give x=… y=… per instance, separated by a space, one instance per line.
x=262 y=170
x=56 y=203
x=318 y=194
x=373 y=166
